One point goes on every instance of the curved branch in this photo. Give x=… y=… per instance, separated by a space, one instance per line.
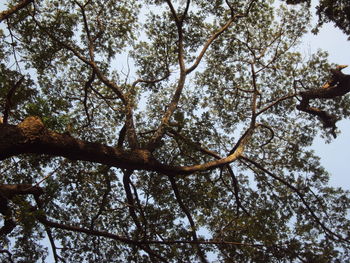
x=104 y=200
x=216 y=156
x=338 y=85
x=31 y=136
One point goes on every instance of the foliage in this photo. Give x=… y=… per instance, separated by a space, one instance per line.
x=337 y=12
x=199 y=149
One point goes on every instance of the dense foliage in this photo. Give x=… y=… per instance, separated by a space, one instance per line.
x=167 y=131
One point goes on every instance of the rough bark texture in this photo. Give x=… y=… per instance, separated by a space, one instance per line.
x=338 y=85
x=30 y=136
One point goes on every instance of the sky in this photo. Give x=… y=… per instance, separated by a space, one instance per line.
x=336 y=154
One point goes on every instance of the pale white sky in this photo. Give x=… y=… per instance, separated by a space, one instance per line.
x=334 y=156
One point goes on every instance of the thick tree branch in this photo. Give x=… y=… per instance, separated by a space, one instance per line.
x=30 y=136
x=337 y=86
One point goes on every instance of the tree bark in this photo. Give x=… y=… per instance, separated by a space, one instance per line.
x=31 y=136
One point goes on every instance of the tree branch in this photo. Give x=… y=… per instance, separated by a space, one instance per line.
x=8 y=103
x=189 y=218
x=7 y=13
x=329 y=232
x=337 y=86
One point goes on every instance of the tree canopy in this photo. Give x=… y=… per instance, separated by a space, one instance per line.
x=168 y=131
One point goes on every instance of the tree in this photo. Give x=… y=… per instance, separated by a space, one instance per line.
x=199 y=145
x=336 y=11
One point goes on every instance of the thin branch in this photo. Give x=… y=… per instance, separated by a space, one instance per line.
x=255 y=95
x=216 y=156
x=53 y=245
x=150 y=81
x=189 y=217
x=104 y=198
x=138 y=242
x=47 y=176
x=275 y=103
x=130 y=129
x=217 y=34
x=179 y=25
x=113 y=86
x=131 y=206
x=12 y=10
x=208 y=43
x=13 y=44
x=271 y=131
x=130 y=199
x=158 y=135
x=5 y=251
x=86 y=91
x=8 y=103
x=184 y=14
x=47 y=222
x=88 y=34
x=328 y=232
